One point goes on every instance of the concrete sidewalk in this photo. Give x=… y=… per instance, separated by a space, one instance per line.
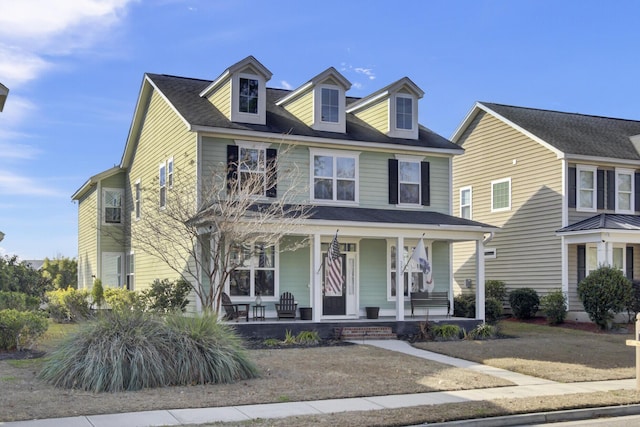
x=526 y=386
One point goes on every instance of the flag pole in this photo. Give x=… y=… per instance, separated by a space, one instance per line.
x=414 y=249
x=336 y=235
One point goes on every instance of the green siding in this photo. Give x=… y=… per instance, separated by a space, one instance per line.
x=373 y=273
x=295 y=272
x=87 y=238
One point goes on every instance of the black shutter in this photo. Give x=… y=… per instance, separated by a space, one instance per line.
x=572 y=187
x=426 y=190
x=611 y=190
x=272 y=172
x=582 y=262
x=629 y=263
x=232 y=166
x=393 y=182
x=600 y=182
x=636 y=178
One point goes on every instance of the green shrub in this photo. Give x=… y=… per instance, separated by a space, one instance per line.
x=464 y=305
x=164 y=296
x=482 y=332
x=21 y=329
x=446 y=332
x=604 y=293
x=68 y=305
x=18 y=301
x=131 y=350
x=97 y=293
x=492 y=310
x=554 y=307
x=121 y=299
x=524 y=303
x=633 y=306
x=495 y=289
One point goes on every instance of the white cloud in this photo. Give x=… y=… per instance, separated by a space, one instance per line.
x=285 y=84
x=33 y=29
x=366 y=71
x=12 y=184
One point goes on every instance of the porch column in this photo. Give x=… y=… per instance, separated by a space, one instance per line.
x=564 y=272
x=480 y=312
x=316 y=284
x=400 y=278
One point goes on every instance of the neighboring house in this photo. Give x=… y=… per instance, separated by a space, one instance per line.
x=4 y=92
x=378 y=176
x=563 y=187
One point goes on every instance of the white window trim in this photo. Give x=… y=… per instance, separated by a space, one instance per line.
x=161 y=166
x=335 y=153
x=410 y=159
x=170 y=173
x=252 y=295
x=137 y=199
x=236 y=114
x=631 y=172
x=254 y=145
x=394 y=131
x=104 y=206
x=500 y=181
x=410 y=244
x=318 y=123
x=128 y=272
x=470 y=205
x=594 y=200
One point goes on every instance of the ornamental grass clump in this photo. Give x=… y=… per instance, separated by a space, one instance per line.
x=131 y=350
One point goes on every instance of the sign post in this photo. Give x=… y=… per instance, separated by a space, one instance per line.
x=636 y=343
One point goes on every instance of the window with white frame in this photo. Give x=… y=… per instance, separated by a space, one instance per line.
x=255 y=272
x=137 y=195
x=248 y=92
x=130 y=269
x=162 y=172
x=252 y=168
x=501 y=195
x=624 y=191
x=409 y=181
x=404 y=112
x=170 y=173
x=330 y=105
x=586 y=181
x=465 y=202
x=112 y=205
x=335 y=176
x=413 y=278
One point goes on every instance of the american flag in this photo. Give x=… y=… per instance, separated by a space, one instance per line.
x=333 y=272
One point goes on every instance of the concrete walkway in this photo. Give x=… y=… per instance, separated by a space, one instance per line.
x=526 y=386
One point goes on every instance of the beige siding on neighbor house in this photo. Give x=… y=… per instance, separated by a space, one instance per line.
x=376 y=115
x=163 y=136
x=112 y=235
x=221 y=98
x=302 y=107
x=528 y=251
x=87 y=238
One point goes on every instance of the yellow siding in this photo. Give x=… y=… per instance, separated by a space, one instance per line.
x=221 y=99
x=112 y=235
x=87 y=239
x=302 y=107
x=376 y=115
x=528 y=251
x=163 y=136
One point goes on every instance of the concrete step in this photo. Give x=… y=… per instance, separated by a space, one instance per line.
x=366 y=332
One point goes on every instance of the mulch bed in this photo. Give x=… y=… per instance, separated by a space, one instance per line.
x=20 y=355
x=260 y=344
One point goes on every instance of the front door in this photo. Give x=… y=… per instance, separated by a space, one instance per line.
x=334 y=289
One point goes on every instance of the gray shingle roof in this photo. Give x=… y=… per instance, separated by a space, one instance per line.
x=184 y=92
x=605 y=222
x=577 y=134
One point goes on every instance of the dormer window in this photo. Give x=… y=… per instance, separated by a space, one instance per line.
x=248 y=96
x=404 y=112
x=330 y=105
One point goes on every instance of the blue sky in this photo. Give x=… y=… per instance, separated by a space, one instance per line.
x=74 y=70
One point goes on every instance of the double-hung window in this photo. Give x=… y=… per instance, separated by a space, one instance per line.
x=112 y=205
x=404 y=112
x=162 y=172
x=501 y=195
x=170 y=173
x=624 y=191
x=137 y=195
x=586 y=188
x=330 y=105
x=252 y=168
x=255 y=271
x=335 y=176
x=409 y=182
x=248 y=95
x=465 y=202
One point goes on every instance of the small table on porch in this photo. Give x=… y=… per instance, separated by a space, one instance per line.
x=258 y=312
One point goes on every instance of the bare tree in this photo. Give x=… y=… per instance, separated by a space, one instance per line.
x=206 y=231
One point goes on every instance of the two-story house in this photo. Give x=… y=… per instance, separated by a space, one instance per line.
x=563 y=187
x=372 y=171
